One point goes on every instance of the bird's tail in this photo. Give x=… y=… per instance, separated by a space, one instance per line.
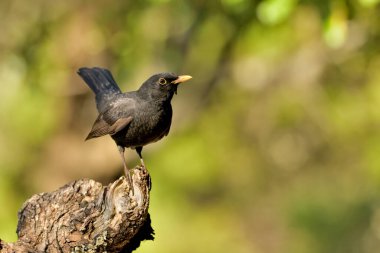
x=100 y=81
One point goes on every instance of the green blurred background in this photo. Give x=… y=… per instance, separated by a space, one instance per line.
x=275 y=143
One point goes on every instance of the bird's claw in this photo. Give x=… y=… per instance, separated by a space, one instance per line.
x=142 y=163
x=130 y=181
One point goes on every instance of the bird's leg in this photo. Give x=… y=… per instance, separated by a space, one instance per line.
x=126 y=170
x=138 y=150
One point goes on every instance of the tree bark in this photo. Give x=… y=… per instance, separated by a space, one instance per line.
x=85 y=216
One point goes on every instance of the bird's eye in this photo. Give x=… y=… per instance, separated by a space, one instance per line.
x=162 y=81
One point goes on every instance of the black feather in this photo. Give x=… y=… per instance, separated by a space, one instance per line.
x=101 y=83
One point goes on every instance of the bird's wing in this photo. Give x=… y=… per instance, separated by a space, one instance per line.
x=114 y=119
x=101 y=127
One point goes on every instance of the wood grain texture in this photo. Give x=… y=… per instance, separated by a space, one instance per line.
x=85 y=216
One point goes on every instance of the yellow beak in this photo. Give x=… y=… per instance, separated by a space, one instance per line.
x=182 y=79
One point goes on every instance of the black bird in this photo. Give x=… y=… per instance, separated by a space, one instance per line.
x=136 y=118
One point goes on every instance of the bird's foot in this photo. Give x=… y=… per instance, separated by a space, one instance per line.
x=128 y=175
x=142 y=163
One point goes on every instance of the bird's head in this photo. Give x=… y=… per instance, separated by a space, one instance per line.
x=162 y=86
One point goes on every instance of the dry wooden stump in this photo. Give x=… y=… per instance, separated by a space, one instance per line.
x=85 y=216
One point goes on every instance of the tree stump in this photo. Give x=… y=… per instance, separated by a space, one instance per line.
x=85 y=216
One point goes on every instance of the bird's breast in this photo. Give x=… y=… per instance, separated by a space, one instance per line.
x=149 y=124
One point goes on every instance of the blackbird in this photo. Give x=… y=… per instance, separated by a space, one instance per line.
x=136 y=118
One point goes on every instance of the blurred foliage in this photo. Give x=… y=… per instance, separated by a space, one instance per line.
x=274 y=144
